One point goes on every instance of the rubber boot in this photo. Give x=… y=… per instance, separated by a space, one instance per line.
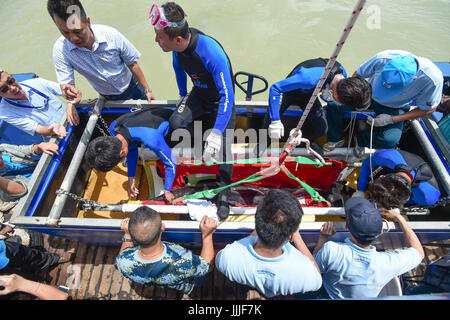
x=223 y=208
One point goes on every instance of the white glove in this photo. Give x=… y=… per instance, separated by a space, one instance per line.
x=381 y=120
x=276 y=129
x=212 y=146
x=359 y=193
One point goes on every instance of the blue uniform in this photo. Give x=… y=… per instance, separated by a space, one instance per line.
x=147 y=127
x=209 y=68
x=301 y=81
x=297 y=89
x=424 y=189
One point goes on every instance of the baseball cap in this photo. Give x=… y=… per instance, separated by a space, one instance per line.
x=396 y=75
x=364 y=221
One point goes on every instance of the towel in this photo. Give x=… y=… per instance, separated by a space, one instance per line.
x=198 y=208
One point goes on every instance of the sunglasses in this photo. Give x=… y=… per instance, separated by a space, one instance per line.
x=4 y=88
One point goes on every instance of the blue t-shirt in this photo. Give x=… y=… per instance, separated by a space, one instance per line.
x=349 y=271
x=289 y=273
x=177 y=268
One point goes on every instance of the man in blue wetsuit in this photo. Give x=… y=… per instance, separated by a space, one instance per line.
x=399 y=177
x=298 y=87
x=205 y=61
x=148 y=127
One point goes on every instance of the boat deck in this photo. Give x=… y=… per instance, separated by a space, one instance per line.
x=93 y=275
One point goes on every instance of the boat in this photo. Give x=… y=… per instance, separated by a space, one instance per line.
x=68 y=199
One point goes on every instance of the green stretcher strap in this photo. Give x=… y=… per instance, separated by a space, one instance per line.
x=313 y=193
x=304 y=160
x=209 y=194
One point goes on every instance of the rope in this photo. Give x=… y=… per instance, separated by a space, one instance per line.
x=351 y=127
x=355 y=13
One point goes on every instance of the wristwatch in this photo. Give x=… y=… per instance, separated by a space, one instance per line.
x=126 y=239
x=148 y=91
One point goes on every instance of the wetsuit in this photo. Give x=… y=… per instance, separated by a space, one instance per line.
x=147 y=127
x=209 y=68
x=424 y=188
x=297 y=89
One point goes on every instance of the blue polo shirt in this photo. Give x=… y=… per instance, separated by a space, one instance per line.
x=349 y=271
x=425 y=91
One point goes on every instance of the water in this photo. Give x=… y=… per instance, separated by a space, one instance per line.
x=263 y=37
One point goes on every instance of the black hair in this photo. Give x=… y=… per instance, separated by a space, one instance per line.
x=355 y=92
x=145 y=226
x=363 y=242
x=59 y=8
x=174 y=13
x=390 y=191
x=277 y=217
x=103 y=153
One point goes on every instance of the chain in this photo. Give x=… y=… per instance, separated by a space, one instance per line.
x=103 y=122
x=91 y=203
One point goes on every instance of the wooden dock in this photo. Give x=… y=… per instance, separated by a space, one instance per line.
x=91 y=275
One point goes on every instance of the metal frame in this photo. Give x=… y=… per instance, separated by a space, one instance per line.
x=432 y=155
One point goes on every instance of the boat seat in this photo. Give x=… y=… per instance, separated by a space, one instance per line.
x=392 y=289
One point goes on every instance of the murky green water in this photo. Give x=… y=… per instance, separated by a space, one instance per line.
x=260 y=36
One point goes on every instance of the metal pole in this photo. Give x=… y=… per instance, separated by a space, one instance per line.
x=66 y=185
x=432 y=155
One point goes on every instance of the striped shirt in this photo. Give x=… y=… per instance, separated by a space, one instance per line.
x=105 y=66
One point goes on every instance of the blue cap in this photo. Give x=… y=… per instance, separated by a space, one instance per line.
x=364 y=221
x=396 y=75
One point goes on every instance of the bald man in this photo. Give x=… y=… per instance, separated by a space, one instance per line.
x=145 y=259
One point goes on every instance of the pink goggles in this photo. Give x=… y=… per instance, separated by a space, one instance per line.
x=159 y=21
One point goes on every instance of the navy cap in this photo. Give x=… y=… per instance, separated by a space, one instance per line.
x=364 y=221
